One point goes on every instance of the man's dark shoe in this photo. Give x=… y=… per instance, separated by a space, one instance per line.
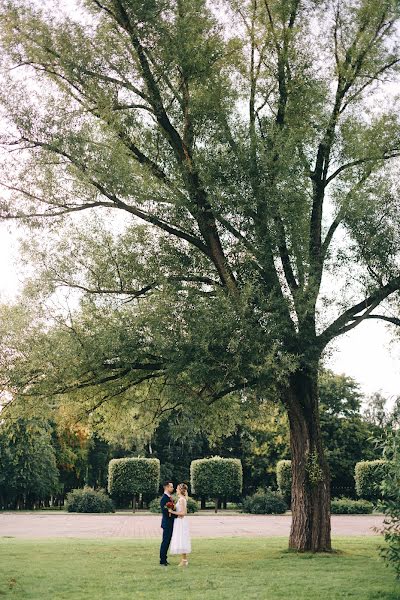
x=164 y=564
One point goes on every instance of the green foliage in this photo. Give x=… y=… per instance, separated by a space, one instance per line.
x=216 y=477
x=131 y=476
x=28 y=463
x=284 y=478
x=262 y=440
x=265 y=502
x=71 y=444
x=89 y=500
x=98 y=458
x=369 y=476
x=347 y=435
x=313 y=468
x=175 y=447
x=339 y=394
x=390 y=503
x=378 y=413
x=154 y=506
x=347 y=506
x=192 y=506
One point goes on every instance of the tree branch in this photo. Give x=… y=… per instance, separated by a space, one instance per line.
x=370 y=79
x=139 y=292
x=233 y=388
x=392 y=320
x=91 y=383
x=340 y=325
x=360 y=161
x=130 y=385
x=64 y=208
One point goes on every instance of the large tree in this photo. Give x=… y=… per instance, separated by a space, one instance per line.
x=256 y=141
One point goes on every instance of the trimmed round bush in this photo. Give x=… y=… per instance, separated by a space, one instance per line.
x=133 y=476
x=284 y=479
x=369 y=475
x=265 y=502
x=347 y=506
x=88 y=500
x=216 y=478
x=192 y=506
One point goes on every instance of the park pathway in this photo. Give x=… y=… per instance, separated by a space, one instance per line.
x=147 y=526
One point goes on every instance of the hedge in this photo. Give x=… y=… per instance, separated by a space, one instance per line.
x=133 y=476
x=284 y=479
x=347 y=506
x=369 y=475
x=88 y=500
x=265 y=502
x=216 y=478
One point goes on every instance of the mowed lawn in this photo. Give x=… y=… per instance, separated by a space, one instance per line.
x=228 y=568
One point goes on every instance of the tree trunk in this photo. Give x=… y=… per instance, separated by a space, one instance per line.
x=216 y=505
x=134 y=503
x=311 y=524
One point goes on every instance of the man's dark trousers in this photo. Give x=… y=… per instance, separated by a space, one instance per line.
x=166 y=540
x=167 y=524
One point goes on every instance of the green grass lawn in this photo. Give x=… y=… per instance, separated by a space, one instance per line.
x=229 y=568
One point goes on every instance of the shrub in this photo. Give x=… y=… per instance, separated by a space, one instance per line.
x=391 y=501
x=88 y=500
x=284 y=479
x=192 y=506
x=369 y=475
x=132 y=476
x=347 y=506
x=265 y=502
x=216 y=478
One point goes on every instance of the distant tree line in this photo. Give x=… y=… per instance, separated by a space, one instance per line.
x=41 y=461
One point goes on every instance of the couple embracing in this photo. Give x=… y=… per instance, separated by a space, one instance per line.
x=174 y=524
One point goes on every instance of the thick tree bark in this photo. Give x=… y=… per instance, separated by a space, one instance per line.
x=311 y=525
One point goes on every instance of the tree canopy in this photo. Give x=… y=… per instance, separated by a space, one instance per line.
x=251 y=148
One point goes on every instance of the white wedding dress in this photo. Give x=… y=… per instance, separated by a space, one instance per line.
x=180 y=542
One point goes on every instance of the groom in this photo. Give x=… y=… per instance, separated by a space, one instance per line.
x=167 y=522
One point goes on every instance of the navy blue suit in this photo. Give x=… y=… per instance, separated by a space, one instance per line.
x=167 y=524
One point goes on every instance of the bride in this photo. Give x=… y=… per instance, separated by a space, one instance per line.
x=180 y=542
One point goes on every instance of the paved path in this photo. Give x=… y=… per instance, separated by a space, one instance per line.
x=147 y=526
